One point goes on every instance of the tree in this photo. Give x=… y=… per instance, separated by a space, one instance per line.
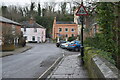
x=39 y=9
x=32 y=6
x=44 y=12
x=63 y=7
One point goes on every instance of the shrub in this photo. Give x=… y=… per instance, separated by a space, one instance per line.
x=90 y=52
x=10 y=47
x=71 y=38
x=22 y=41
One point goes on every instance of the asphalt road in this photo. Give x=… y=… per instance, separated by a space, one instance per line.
x=32 y=63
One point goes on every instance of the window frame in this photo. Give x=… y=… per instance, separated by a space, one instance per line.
x=72 y=29
x=67 y=29
x=33 y=38
x=72 y=35
x=59 y=30
x=24 y=29
x=66 y=35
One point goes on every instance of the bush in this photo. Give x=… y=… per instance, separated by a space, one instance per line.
x=10 y=47
x=71 y=38
x=90 y=52
x=22 y=42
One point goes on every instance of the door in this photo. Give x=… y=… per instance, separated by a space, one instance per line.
x=33 y=38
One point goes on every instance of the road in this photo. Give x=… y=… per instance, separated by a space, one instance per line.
x=32 y=63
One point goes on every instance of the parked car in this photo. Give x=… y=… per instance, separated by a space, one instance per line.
x=74 y=45
x=60 y=42
x=65 y=45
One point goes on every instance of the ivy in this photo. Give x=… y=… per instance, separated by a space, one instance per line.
x=105 y=39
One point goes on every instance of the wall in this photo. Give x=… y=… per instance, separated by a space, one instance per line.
x=41 y=33
x=98 y=67
x=63 y=26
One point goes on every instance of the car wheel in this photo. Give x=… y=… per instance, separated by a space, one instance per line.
x=76 y=49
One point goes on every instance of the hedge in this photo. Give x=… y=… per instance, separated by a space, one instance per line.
x=8 y=47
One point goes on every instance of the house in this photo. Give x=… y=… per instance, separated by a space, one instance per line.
x=64 y=29
x=94 y=29
x=9 y=29
x=90 y=27
x=77 y=21
x=33 y=32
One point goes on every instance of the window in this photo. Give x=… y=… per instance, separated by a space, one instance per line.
x=33 y=38
x=66 y=35
x=24 y=29
x=60 y=29
x=72 y=35
x=13 y=27
x=66 y=29
x=72 y=30
x=35 y=29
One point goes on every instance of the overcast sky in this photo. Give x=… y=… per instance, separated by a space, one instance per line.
x=24 y=2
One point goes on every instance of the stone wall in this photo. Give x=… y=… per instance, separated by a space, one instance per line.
x=98 y=67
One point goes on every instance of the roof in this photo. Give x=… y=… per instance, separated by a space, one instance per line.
x=3 y=19
x=65 y=22
x=34 y=25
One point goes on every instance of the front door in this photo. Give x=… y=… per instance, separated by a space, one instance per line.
x=33 y=38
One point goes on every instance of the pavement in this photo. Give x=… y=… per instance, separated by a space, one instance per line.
x=70 y=67
x=16 y=51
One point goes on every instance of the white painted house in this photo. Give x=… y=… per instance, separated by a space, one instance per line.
x=33 y=32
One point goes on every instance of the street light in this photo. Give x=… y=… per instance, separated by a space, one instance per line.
x=81 y=13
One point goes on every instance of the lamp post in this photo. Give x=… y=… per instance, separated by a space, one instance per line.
x=82 y=46
x=81 y=13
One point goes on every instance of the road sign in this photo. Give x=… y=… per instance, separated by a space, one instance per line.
x=81 y=11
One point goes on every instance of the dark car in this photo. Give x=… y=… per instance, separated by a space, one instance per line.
x=60 y=42
x=75 y=45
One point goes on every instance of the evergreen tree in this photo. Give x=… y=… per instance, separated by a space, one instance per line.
x=39 y=9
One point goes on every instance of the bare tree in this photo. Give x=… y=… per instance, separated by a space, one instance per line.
x=63 y=7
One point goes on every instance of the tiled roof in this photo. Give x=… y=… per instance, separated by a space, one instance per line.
x=34 y=25
x=3 y=19
x=65 y=22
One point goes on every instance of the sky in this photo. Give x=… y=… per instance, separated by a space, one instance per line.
x=26 y=2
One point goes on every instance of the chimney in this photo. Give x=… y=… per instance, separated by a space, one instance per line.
x=31 y=20
x=54 y=20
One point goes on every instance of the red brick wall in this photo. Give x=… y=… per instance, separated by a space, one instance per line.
x=18 y=27
x=63 y=26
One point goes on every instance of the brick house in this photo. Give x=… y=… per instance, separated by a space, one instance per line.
x=64 y=29
x=5 y=26
x=33 y=32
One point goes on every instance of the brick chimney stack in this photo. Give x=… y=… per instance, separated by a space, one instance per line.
x=54 y=20
x=31 y=20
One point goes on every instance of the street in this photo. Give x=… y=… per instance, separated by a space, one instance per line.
x=32 y=63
